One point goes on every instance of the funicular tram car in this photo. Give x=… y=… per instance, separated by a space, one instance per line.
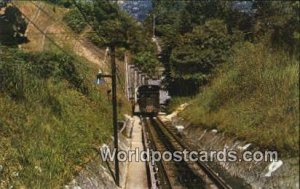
x=148 y=100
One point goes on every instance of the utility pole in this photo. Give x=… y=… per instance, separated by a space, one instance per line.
x=154 y=25
x=113 y=77
x=126 y=76
x=115 y=113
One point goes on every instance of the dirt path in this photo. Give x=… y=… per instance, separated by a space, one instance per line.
x=52 y=25
x=33 y=18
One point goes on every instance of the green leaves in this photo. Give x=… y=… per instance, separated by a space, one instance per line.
x=201 y=50
x=195 y=40
x=147 y=62
x=115 y=28
x=65 y=3
x=113 y=32
x=110 y=24
x=75 y=20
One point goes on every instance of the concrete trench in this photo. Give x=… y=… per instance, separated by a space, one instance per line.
x=257 y=175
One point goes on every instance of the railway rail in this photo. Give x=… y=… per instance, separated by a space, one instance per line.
x=183 y=174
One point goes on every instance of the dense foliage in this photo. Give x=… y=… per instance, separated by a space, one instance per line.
x=42 y=66
x=106 y=19
x=196 y=54
x=65 y=3
x=198 y=35
x=75 y=20
x=112 y=27
x=146 y=62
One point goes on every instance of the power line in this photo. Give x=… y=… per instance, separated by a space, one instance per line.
x=87 y=21
x=49 y=38
x=47 y=34
x=40 y=30
x=77 y=37
x=52 y=41
x=74 y=35
x=48 y=14
x=52 y=17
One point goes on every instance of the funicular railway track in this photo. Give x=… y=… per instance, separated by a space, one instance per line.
x=180 y=174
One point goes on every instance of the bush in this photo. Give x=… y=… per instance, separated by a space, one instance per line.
x=75 y=20
x=65 y=3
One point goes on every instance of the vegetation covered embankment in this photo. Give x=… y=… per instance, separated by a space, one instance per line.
x=255 y=97
x=51 y=117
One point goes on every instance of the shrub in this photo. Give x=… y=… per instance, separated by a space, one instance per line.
x=75 y=20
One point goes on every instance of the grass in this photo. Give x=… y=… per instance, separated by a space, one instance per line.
x=175 y=102
x=51 y=118
x=255 y=97
x=52 y=115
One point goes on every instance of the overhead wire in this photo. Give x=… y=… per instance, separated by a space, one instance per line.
x=45 y=34
x=95 y=32
x=41 y=32
x=56 y=33
x=95 y=29
x=76 y=36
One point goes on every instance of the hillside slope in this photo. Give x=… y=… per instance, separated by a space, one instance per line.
x=52 y=115
x=254 y=98
x=48 y=19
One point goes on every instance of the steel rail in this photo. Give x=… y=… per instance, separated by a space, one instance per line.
x=154 y=146
x=218 y=181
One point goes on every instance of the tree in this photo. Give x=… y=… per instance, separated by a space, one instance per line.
x=105 y=17
x=240 y=20
x=147 y=62
x=65 y=3
x=75 y=20
x=198 y=53
x=115 y=29
x=12 y=27
x=198 y=12
x=280 y=21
